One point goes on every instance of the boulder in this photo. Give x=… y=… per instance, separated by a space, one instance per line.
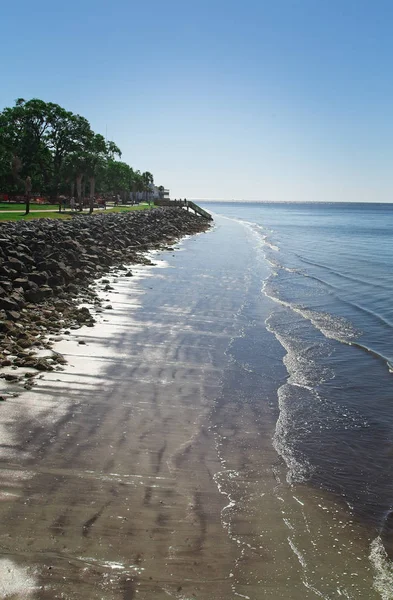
x=15 y=264
x=38 y=277
x=8 y=304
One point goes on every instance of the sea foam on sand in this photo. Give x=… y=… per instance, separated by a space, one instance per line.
x=15 y=581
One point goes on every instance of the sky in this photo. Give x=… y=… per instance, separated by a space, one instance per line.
x=279 y=100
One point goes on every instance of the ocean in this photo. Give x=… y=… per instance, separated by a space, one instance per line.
x=328 y=290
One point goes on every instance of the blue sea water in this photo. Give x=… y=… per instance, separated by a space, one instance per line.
x=331 y=282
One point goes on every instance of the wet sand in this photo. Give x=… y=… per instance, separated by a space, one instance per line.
x=146 y=468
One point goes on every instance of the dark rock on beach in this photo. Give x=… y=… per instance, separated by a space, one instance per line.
x=47 y=266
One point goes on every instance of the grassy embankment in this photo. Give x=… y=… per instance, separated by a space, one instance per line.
x=15 y=212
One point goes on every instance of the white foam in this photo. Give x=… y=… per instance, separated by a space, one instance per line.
x=383 y=568
x=15 y=582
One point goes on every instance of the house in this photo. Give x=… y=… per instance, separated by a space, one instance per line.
x=159 y=192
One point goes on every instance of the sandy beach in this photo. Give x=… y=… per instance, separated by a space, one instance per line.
x=106 y=477
x=145 y=469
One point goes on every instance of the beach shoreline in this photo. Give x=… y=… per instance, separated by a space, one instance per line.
x=146 y=467
x=46 y=272
x=89 y=354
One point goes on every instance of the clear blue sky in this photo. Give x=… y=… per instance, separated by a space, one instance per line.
x=256 y=100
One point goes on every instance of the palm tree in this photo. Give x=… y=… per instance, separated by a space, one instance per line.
x=97 y=152
x=148 y=181
x=137 y=184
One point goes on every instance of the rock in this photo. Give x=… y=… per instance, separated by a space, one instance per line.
x=18 y=298
x=8 y=304
x=15 y=264
x=55 y=281
x=14 y=315
x=49 y=263
x=45 y=291
x=22 y=282
x=9 y=377
x=72 y=289
x=7 y=285
x=9 y=274
x=6 y=327
x=39 y=278
x=33 y=295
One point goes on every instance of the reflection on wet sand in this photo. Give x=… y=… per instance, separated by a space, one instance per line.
x=107 y=480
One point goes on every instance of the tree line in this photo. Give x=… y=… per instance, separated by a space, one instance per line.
x=47 y=150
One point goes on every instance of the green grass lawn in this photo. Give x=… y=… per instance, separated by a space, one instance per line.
x=38 y=212
x=143 y=206
x=15 y=216
x=8 y=207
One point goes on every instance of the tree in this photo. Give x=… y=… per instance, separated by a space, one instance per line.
x=148 y=181
x=73 y=170
x=88 y=163
x=68 y=134
x=40 y=135
x=138 y=184
x=119 y=177
x=58 y=151
x=97 y=151
x=28 y=193
x=23 y=129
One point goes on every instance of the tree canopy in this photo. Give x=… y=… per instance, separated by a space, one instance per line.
x=61 y=154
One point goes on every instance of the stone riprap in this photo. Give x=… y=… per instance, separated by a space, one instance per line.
x=47 y=267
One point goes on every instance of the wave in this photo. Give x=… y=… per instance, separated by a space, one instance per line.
x=373 y=353
x=332 y=327
x=335 y=290
x=299 y=397
x=335 y=327
x=383 y=569
x=270 y=245
x=299 y=468
x=340 y=274
x=259 y=231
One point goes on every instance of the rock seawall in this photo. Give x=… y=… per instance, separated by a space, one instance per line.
x=46 y=264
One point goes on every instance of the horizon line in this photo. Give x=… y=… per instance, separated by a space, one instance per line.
x=218 y=200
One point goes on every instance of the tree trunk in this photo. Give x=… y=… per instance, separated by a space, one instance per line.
x=92 y=186
x=92 y=181
x=79 y=178
x=72 y=187
x=84 y=185
x=28 y=193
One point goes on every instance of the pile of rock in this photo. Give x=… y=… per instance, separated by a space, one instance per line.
x=46 y=264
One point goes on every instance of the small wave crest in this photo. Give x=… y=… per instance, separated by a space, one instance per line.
x=383 y=568
x=270 y=245
x=299 y=469
x=331 y=326
x=260 y=232
x=303 y=412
